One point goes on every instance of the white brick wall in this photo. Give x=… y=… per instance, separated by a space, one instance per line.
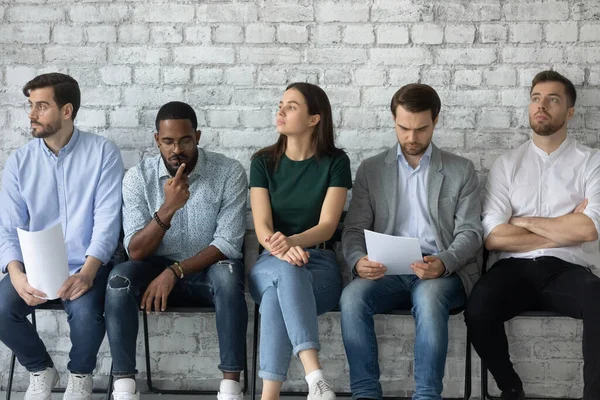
x=232 y=59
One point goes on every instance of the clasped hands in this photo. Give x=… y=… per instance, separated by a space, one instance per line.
x=286 y=249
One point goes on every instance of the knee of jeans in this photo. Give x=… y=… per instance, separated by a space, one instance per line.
x=353 y=301
x=84 y=316
x=118 y=286
x=293 y=273
x=118 y=282
x=224 y=281
x=428 y=300
x=5 y=314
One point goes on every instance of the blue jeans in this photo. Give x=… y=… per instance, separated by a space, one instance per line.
x=290 y=299
x=221 y=285
x=430 y=300
x=85 y=316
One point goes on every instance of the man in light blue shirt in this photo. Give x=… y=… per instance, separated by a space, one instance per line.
x=73 y=178
x=184 y=219
x=415 y=190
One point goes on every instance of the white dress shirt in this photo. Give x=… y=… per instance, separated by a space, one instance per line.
x=528 y=182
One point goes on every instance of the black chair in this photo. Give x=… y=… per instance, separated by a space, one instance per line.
x=467 y=391
x=51 y=305
x=485 y=394
x=151 y=386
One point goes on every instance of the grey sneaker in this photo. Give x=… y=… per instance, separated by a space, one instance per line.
x=321 y=390
x=79 y=387
x=41 y=384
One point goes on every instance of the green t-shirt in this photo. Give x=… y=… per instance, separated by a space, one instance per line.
x=297 y=189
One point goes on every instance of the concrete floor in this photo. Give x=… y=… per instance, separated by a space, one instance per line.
x=58 y=396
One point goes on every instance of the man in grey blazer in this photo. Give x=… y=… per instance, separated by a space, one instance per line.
x=413 y=189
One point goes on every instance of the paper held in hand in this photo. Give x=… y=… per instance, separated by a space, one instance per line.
x=396 y=253
x=45 y=258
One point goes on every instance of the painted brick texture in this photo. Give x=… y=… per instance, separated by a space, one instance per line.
x=232 y=59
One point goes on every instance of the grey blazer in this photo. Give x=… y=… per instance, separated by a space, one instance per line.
x=453 y=202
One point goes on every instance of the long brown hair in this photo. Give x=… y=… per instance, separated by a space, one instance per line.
x=322 y=136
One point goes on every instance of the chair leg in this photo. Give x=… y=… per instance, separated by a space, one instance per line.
x=11 y=374
x=255 y=348
x=484 y=381
x=110 y=382
x=147 y=351
x=245 y=388
x=468 y=384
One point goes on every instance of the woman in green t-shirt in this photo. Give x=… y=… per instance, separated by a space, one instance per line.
x=298 y=189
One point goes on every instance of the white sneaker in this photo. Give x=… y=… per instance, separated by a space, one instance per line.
x=230 y=390
x=320 y=390
x=124 y=389
x=41 y=384
x=79 y=387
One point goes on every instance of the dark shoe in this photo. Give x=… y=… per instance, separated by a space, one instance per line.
x=516 y=394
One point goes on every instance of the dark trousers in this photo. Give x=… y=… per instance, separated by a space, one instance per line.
x=515 y=285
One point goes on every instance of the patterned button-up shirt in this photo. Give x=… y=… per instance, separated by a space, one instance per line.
x=215 y=213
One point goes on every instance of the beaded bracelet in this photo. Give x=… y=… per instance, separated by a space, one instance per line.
x=160 y=223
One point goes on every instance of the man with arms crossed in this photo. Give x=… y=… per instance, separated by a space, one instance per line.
x=541 y=212
x=70 y=177
x=413 y=189
x=184 y=214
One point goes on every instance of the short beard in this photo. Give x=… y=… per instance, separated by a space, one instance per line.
x=47 y=130
x=548 y=129
x=420 y=150
x=188 y=164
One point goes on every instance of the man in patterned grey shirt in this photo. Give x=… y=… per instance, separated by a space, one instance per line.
x=184 y=216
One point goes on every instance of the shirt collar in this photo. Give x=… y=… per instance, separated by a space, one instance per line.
x=164 y=172
x=67 y=148
x=566 y=143
x=425 y=158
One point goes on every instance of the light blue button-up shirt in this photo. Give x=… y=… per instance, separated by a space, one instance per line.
x=412 y=215
x=80 y=188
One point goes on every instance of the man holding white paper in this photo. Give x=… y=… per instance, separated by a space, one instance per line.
x=73 y=178
x=413 y=190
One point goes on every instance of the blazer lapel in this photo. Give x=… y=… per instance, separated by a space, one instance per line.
x=434 y=186
x=390 y=186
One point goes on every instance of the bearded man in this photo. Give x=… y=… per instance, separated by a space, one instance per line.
x=413 y=189
x=70 y=177
x=541 y=215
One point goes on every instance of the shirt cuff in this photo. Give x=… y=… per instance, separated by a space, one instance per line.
x=489 y=225
x=12 y=255
x=98 y=251
x=594 y=217
x=227 y=249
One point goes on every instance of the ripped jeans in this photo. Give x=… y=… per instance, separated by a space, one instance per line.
x=221 y=285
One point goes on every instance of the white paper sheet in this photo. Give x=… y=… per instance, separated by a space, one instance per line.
x=45 y=258
x=396 y=253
